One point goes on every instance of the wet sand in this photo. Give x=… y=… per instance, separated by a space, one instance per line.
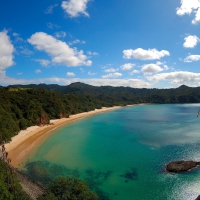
x=27 y=140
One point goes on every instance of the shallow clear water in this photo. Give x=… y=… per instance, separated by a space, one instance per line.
x=122 y=154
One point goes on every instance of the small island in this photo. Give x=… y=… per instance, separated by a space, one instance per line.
x=181 y=166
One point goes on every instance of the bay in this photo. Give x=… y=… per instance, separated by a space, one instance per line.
x=122 y=154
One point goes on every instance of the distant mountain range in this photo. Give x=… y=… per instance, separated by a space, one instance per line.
x=125 y=95
x=22 y=106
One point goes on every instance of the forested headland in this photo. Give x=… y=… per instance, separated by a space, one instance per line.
x=22 y=106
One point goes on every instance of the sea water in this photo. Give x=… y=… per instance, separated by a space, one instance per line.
x=122 y=154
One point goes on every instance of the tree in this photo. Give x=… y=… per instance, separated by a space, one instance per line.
x=71 y=189
x=10 y=189
x=49 y=196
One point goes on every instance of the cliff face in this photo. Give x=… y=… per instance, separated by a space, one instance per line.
x=64 y=115
x=43 y=119
x=32 y=188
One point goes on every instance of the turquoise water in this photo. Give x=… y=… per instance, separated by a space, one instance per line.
x=122 y=154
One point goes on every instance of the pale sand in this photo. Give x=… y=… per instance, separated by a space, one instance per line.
x=23 y=143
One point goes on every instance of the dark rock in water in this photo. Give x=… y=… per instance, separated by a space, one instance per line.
x=180 y=166
x=198 y=198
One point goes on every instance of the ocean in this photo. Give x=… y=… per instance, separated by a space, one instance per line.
x=122 y=154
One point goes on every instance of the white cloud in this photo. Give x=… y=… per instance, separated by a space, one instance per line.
x=77 y=41
x=70 y=74
x=17 y=37
x=82 y=70
x=25 y=51
x=176 y=78
x=49 y=10
x=112 y=75
x=6 y=51
x=37 y=71
x=6 y=80
x=92 y=53
x=60 y=52
x=192 y=58
x=191 y=41
x=160 y=63
x=151 y=68
x=91 y=74
x=110 y=70
x=75 y=7
x=19 y=73
x=181 y=77
x=16 y=34
x=135 y=83
x=51 y=25
x=165 y=67
x=142 y=54
x=127 y=66
x=43 y=62
x=188 y=7
x=106 y=66
x=134 y=72
x=60 y=34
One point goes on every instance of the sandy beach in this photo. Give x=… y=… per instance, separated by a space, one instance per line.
x=23 y=143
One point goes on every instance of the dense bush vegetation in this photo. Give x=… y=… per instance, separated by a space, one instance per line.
x=109 y=96
x=10 y=189
x=23 y=106
x=20 y=108
x=70 y=189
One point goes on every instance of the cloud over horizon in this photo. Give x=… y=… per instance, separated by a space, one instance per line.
x=181 y=77
x=112 y=75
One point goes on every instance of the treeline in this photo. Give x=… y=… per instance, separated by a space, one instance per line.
x=10 y=189
x=21 y=108
x=9 y=185
x=109 y=96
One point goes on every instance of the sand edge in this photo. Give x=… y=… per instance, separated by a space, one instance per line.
x=27 y=140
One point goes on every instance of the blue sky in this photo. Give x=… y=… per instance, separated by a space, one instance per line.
x=140 y=43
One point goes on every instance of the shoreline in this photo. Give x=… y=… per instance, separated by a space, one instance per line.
x=27 y=140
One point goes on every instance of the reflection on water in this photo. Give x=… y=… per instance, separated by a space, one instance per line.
x=122 y=154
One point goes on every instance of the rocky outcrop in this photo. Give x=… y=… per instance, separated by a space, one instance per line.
x=64 y=115
x=32 y=188
x=198 y=198
x=43 y=120
x=181 y=166
x=39 y=117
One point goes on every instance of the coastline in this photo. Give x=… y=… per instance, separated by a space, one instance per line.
x=27 y=140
